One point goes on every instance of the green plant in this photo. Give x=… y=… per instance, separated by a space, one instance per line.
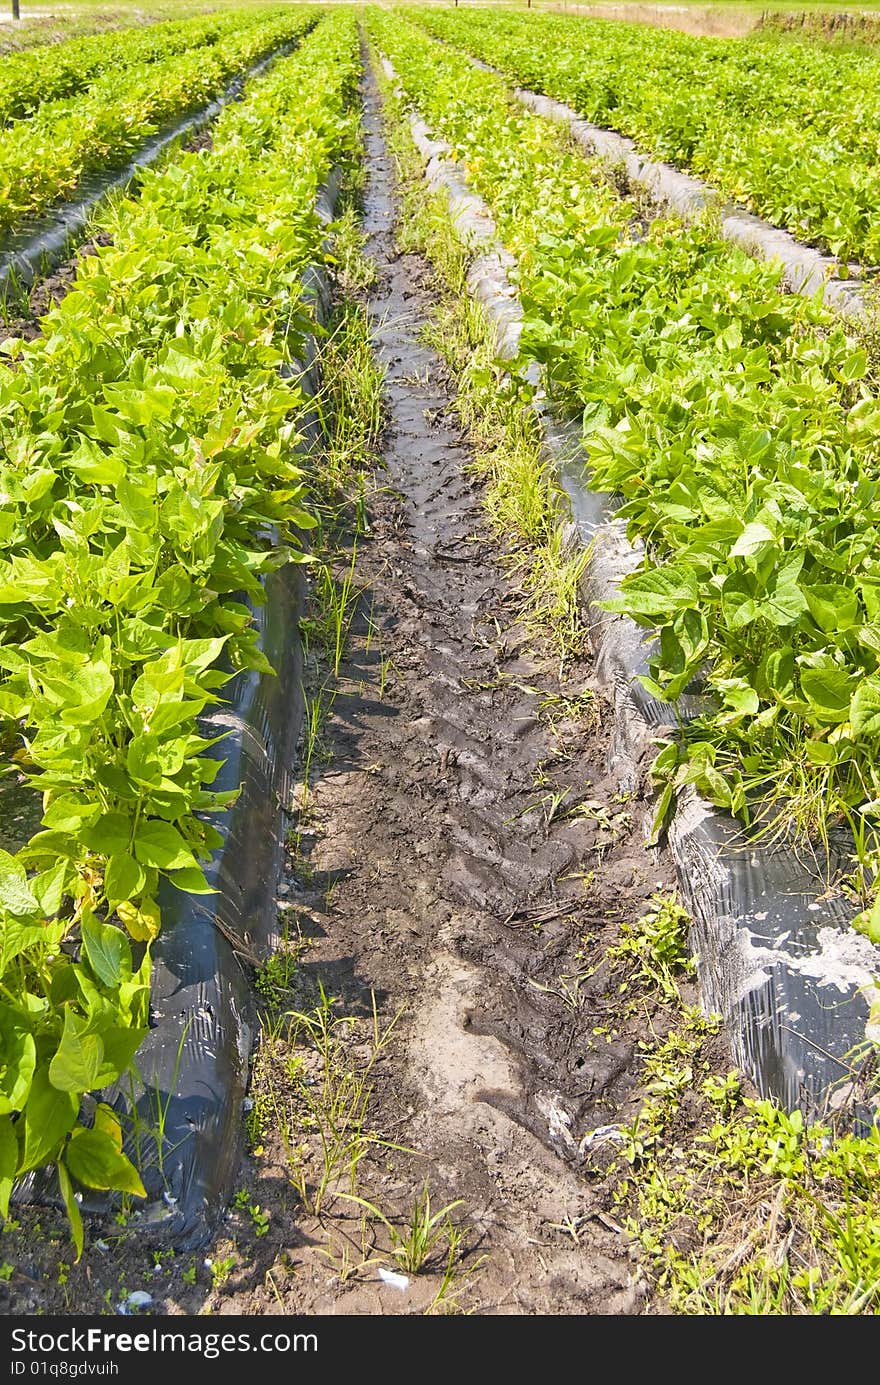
x=44 y=157
x=738 y=425
x=259 y=1219
x=68 y=69
x=658 y=944
x=741 y=112
x=334 y=602
x=320 y=1107
x=221 y=1269
x=415 y=1241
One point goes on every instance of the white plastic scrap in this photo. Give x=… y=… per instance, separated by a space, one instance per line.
x=558 y=1120
x=390 y=1277
x=600 y=1136
x=134 y=1303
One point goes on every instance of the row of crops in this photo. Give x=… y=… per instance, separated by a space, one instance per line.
x=69 y=69
x=93 y=112
x=792 y=130
x=149 y=440
x=739 y=425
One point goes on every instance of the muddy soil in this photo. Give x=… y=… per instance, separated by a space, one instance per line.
x=24 y=319
x=462 y=862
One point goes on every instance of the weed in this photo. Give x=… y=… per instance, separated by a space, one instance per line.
x=454 y=1278
x=149 y=1133
x=414 y=1245
x=657 y=943
x=317 y=709
x=336 y=603
x=319 y=1105
x=221 y=1269
x=415 y=1242
x=761 y=1212
x=346 y=1258
x=274 y=978
x=259 y=1219
x=349 y=409
x=550 y=806
x=353 y=270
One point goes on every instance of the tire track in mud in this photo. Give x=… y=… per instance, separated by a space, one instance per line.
x=438 y=881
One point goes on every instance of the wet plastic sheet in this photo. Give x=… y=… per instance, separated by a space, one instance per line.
x=194 y=1063
x=776 y=956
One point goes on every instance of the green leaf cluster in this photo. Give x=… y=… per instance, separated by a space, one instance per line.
x=67 y=69
x=44 y=157
x=740 y=426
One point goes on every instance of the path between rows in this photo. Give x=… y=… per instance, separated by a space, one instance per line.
x=435 y=857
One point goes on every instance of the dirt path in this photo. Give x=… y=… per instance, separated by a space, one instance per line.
x=423 y=829
x=433 y=871
x=449 y=894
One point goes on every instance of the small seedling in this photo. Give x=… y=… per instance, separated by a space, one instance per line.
x=259 y=1219
x=414 y=1243
x=221 y=1269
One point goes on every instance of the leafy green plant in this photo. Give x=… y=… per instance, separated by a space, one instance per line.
x=259 y=1219
x=43 y=159
x=658 y=944
x=221 y=1270
x=738 y=425
x=68 y=69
